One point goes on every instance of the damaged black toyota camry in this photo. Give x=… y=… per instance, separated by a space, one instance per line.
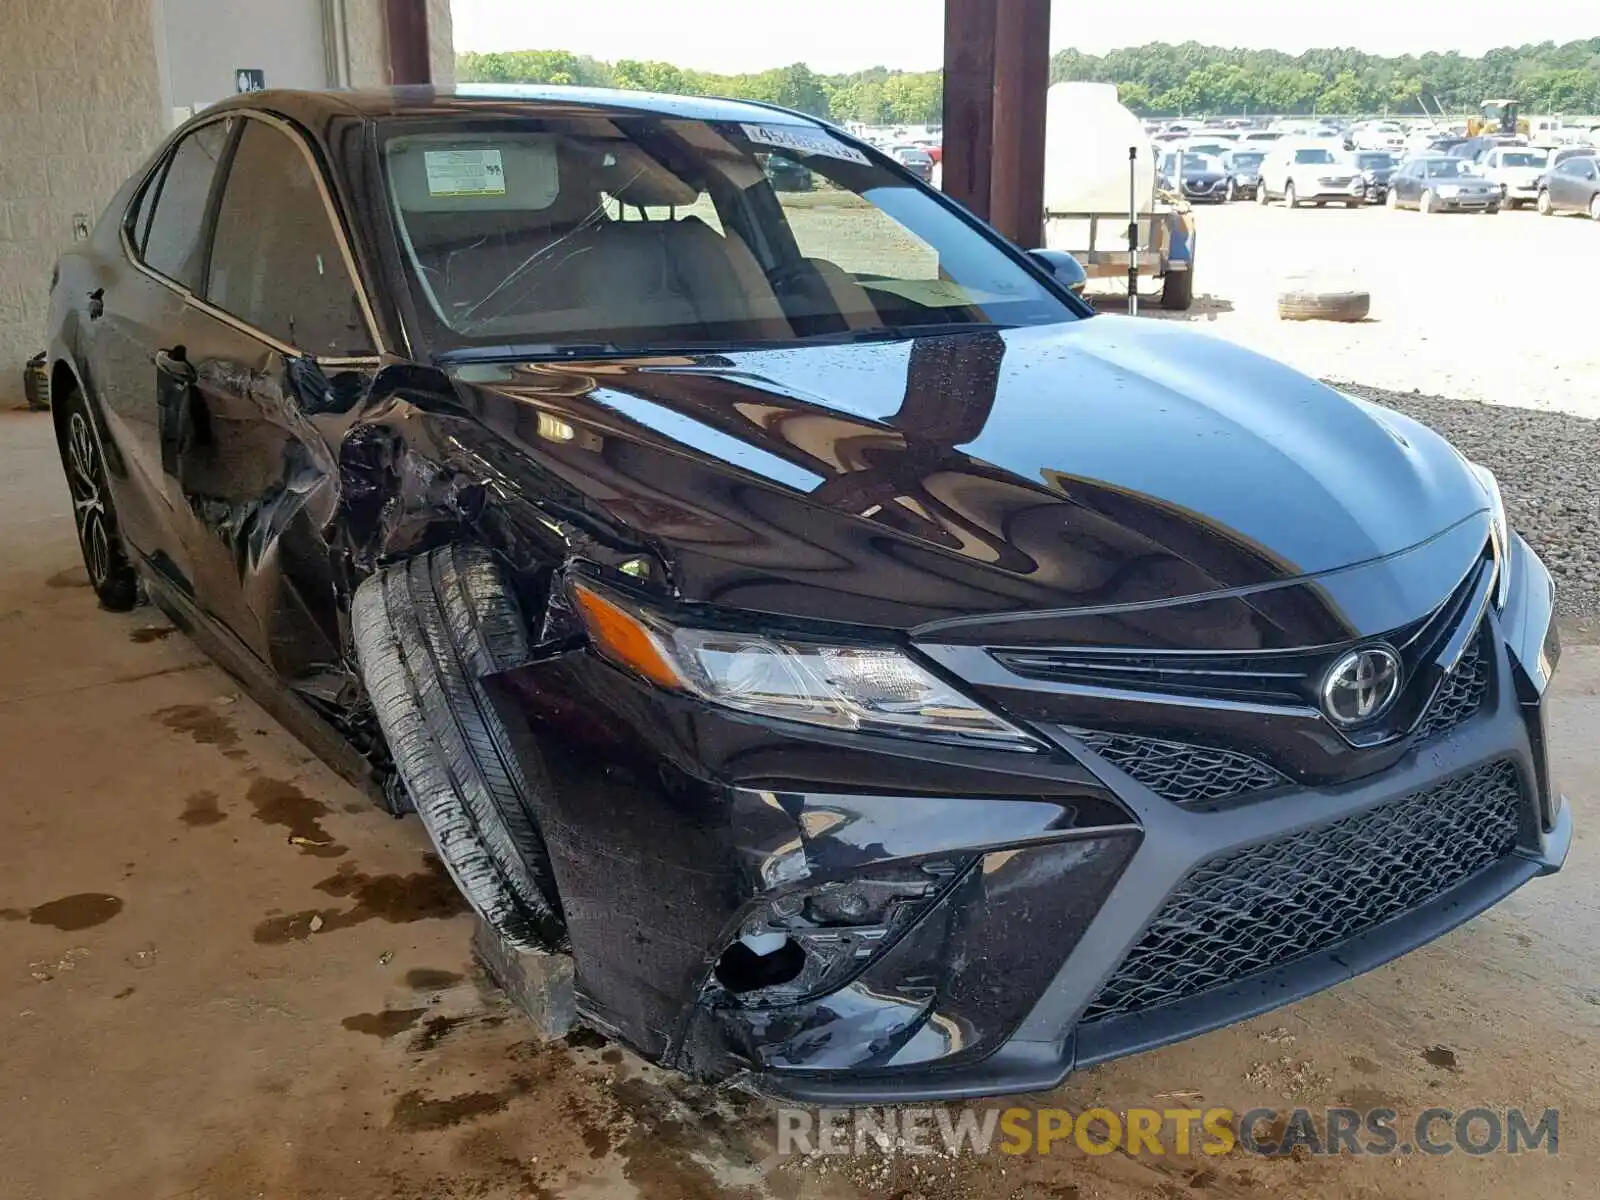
x=885 y=678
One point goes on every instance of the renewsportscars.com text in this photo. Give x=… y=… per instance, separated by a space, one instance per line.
x=1163 y=1131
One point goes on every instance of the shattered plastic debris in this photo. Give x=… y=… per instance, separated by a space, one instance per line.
x=316 y=924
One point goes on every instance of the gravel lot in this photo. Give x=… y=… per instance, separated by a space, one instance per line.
x=1480 y=327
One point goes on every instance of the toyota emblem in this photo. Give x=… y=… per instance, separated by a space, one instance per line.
x=1361 y=686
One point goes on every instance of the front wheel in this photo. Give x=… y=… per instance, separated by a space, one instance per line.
x=1543 y=203
x=1594 y=206
x=1290 y=200
x=105 y=559
x=1393 y=200
x=1426 y=204
x=1261 y=193
x=1233 y=192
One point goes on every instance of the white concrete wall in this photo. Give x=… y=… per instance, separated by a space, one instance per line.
x=80 y=107
x=206 y=41
x=88 y=87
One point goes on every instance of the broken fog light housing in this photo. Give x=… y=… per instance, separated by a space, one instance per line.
x=865 y=689
x=810 y=942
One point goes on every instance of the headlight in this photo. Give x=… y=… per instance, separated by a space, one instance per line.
x=870 y=689
x=1499 y=531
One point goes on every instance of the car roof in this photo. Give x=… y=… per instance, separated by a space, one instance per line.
x=313 y=107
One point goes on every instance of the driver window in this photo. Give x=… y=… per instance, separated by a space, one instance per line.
x=276 y=262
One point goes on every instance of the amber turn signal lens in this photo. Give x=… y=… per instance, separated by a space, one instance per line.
x=624 y=638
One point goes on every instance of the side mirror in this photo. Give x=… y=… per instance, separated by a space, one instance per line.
x=1068 y=271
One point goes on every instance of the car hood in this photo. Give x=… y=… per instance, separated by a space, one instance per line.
x=1102 y=462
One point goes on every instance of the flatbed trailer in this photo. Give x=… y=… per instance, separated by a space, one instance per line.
x=1099 y=241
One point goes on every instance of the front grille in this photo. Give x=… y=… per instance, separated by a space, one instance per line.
x=1268 y=905
x=1460 y=694
x=1177 y=771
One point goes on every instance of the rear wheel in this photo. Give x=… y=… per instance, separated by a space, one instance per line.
x=1543 y=203
x=426 y=632
x=111 y=575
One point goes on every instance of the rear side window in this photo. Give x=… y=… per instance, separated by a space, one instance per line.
x=169 y=225
x=276 y=262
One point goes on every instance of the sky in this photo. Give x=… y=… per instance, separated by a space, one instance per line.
x=835 y=36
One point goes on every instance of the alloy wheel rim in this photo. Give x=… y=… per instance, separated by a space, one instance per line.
x=88 y=504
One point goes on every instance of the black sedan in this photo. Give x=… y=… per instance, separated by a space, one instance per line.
x=1440 y=183
x=881 y=675
x=1196 y=177
x=1573 y=185
x=1377 y=169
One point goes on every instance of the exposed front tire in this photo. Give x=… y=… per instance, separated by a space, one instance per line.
x=94 y=514
x=426 y=633
x=1543 y=203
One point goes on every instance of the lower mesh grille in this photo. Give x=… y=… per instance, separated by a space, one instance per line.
x=1270 y=904
x=1460 y=695
x=1180 y=772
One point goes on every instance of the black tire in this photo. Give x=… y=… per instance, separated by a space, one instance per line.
x=1594 y=207
x=426 y=632
x=1546 y=209
x=94 y=514
x=1177 y=290
x=1308 y=305
x=1291 y=198
x=1261 y=193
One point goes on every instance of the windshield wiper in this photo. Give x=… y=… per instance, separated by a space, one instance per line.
x=893 y=333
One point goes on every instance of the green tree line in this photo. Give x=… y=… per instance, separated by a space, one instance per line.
x=1159 y=79
x=877 y=96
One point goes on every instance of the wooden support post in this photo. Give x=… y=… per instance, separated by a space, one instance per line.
x=406 y=24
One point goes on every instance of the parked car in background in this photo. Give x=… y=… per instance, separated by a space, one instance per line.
x=886 y=679
x=1562 y=153
x=1376 y=135
x=1261 y=137
x=1244 y=173
x=786 y=175
x=1574 y=186
x=1440 y=183
x=1377 y=167
x=1198 y=178
x=1310 y=173
x=916 y=160
x=1517 y=170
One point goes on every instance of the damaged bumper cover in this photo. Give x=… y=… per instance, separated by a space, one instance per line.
x=863 y=919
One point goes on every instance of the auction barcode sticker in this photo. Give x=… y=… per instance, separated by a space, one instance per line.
x=465 y=173
x=802 y=141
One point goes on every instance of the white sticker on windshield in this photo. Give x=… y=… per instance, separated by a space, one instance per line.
x=465 y=172
x=803 y=141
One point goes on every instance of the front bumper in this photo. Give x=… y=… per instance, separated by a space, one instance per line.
x=1030 y=886
x=1473 y=203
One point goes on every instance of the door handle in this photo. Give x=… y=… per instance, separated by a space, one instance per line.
x=97 y=304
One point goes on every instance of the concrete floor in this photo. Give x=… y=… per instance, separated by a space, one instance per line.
x=173 y=1027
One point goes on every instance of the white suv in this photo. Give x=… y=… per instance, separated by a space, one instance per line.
x=1517 y=170
x=1310 y=173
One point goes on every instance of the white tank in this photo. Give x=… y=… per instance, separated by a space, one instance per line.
x=1086 y=140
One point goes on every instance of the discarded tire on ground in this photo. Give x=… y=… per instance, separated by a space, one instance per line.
x=426 y=632
x=1317 y=304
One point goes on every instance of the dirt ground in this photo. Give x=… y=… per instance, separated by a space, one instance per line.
x=223 y=974
x=1463 y=305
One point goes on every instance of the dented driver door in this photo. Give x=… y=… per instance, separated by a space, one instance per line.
x=257 y=477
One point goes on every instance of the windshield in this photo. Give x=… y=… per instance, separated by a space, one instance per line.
x=1248 y=158
x=1522 y=158
x=1447 y=168
x=1373 y=162
x=1200 y=162
x=594 y=234
x=1313 y=156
